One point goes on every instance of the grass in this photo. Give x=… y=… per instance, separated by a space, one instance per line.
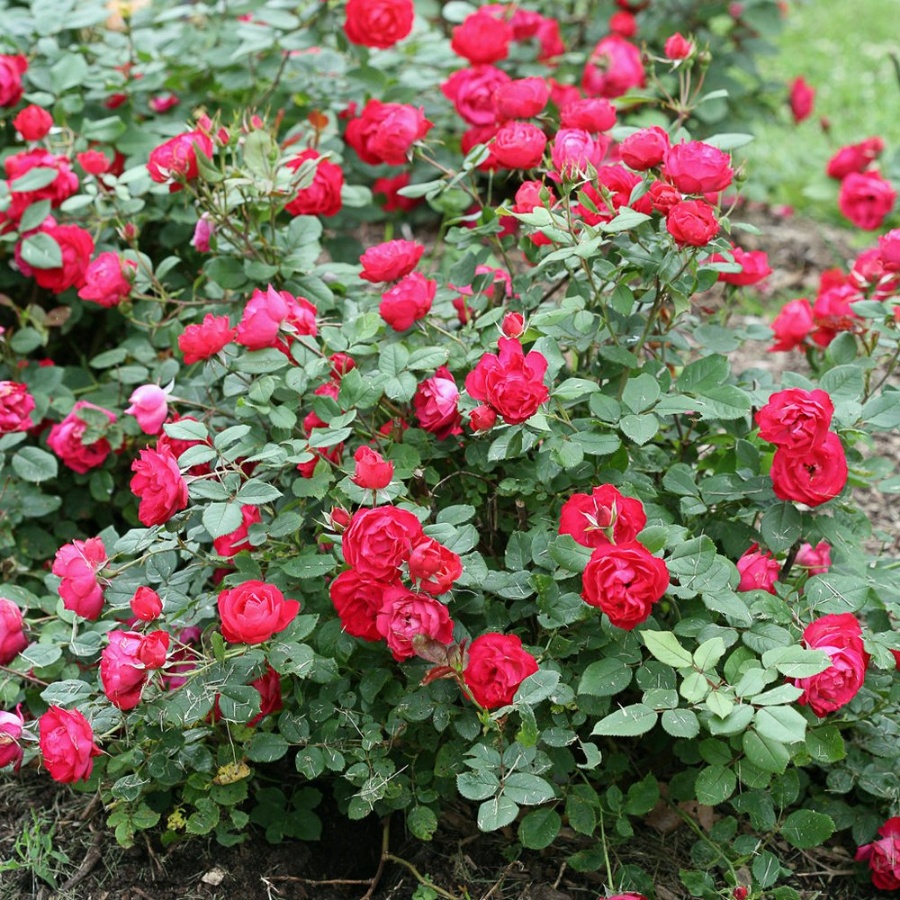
x=844 y=50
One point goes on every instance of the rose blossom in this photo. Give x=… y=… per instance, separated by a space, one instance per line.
x=692 y=223
x=471 y=91
x=67 y=745
x=206 y=338
x=482 y=37
x=522 y=98
x=390 y=261
x=378 y=23
x=175 y=160
x=11 y=725
x=379 y=540
x=796 y=420
x=435 y=403
x=434 y=566
x=323 y=196
x=519 y=145
x=150 y=406
x=385 y=132
x=866 y=198
x=269 y=314
x=883 y=856
x=513 y=325
x=268 y=685
x=614 y=68
x=840 y=636
x=496 y=664
x=12 y=68
x=145 y=604
x=65 y=440
x=812 y=478
x=76 y=246
x=574 y=152
x=792 y=325
x=238 y=540
x=408 y=301
x=389 y=188
x=833 y=312
x=511 y=383
x=77 y=564
x=854 y=158
x=12 y=635
x=94 y=162
x=618 y=184
x=372 y=470
x=758 y=570
x=624 y=581
x=678 y=47
x=122 y=673
x=754 y=266
x=16 y=405
x=645 y=149
x=157 y=481
x=698 y=168
x=108 y=280
x=817 y=560
x=405 y=615
x=663 y=196
x=604 y=516
x=357 y=598
x=253 y=611
x=32 y=122
x=591 y=114
x=801 y=99
x=63 y=186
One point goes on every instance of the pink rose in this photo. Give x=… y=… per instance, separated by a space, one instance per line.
x=271 y=319
x=591 y=114
x=523 y=98
x=816 y=560
x=698 y=168
x=379 y=540
x=108 y=280
x=145 y=604
x=434 y=566
x=67 y=745
x=575 y=151
x=614 y=68
x=754 y=267
x=63 y=186
x=496 y=664
x=801 y=99
x=883 y=856
x=471 y=91
x=12 y=68
x=866 y=198
x=150 y=406
x=323 y=196
x=854 y=158
x=385 y=132
x=11 y=725
x=519 y=145
x=759 y=571
x=372 y=471
x=253 y=611
x=378 y=23
x=408 y=301
x=12 y=635
x=75 y=245
x=482 y=37
x=645 y=149
x=692 y=223
x=77 y=564
x=435 y=403
x=678 y=47
x=792 y=325
x=65 y=439
x=406 y=615
x=16 y=405
x=175 y=161
x=157 y=481
x=122 y=674
x=390 y=261
x=205 y=339
x=602 y=517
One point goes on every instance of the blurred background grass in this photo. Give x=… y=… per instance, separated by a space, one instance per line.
x=844 y=49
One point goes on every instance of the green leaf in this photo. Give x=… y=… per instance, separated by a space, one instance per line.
x=627 y=722
x=715 y=784
x=575 y=389
x=496 y=813
x=780 y=526
x=41 y=251
x=825 y=744
x=835 y=593
x=527 y=790
x=477 y=785
x=780 y=723
x=805 y=829
x=605 y=677
x=291 y=658
x=266 y=747
x=539 y=828
x=537 y=687
x=724 y=402
x=34 y=465
x=565 y=551
x=708 y=654
x=422 y=822
x=255 y=493
x=393 y=359
x=766 y=869
x=843 y=382
x=639 y=429
x=641 y=393
x=765 y=753
x=664 y=645
x=681 y=723
x=796 y=661
x=205 y=818
x=220 y=519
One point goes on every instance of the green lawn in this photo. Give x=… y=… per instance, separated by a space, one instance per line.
x=843 y=48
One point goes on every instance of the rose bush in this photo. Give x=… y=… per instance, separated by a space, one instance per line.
x=449 y=496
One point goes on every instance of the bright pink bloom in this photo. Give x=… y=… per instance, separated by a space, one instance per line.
x=434 y=566
x=157 y=481
x=816 y=560
x=145 y=604
x=678 y=47
x=253 y=611
x=16 y=405
x=378 y=23
x=272 y=318
x=482 y=37
x=33 y=122
x=175 y=160
x=65 y=439
x=12 y=633
x=883 y=856
x=77 y=564
x=323 y=196
x=11 y=725
x=406 y=615
x=238 y=540
x=759 y=571
x=372 y=471
x=792 y=325
x=408 y=301
x=435 y=403
x=511 y=383
x=108 y=280
x=866 y=198
x=150 y=406
x=386 y=132
x=67 y=745
x=614 y=68
x=205 y=339
x=604 y=516
x=390 y=261
x=801 y=99
x=496 y=664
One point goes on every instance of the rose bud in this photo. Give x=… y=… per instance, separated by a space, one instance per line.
x=372 y=470
x=339 y=517
x=145 y=604
x=482 y=418
x=513 y=325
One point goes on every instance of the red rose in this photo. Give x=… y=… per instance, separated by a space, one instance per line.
x=434 y=566
x=12 y=635
x=393 y=200
x=513 y=325
x=16 y=405
x=108 y=279
x=11 y=725
x=253 y=611
x=268 y=685
x=833 y=312
x=840 y=636
x=378 y=23
x=854 y=158
x=471 y=91
x=379 y=540
x=796 y=420
x=145 y=604
x=205 y=339
x=889 y=250
x=663 y=196
x=33 y=122
x=76 y=246
x=645 y=149
x=692 y=223
x=754 y=266
x=93 y=162
x=523 y=98
x=792 y=325
x=67 y=744
x=482 y=38
x=372 y=470
x=883 y=856
x=385 y=132
x=122 y=673
x=624 y=580
x=406 y=615
x=482 y=418
x=678 y=47
x=591 y=114
x=618 y=184
x=816 y=560
x=65 y=440
x=323 y=196
x=238 y=540
x=408 y=301
x=496 y=665
x=623 y=23
x=812 y=478
x=158 y=483
x=614 y=68
x=77 y=564
x=175 y=161
x=759 y=571
x=574 y=152
x=866 y=198
x=435 y=402
x=698 y=168
x=12 y=68
x=358 y=599
x=390 y=261
x=272 y=318
x=602 y=517
x=801 y=99
x=519 y=145
x=511 y=383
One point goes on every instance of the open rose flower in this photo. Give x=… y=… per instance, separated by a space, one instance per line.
x=12 y=634
x=67 y=745
x=323 y=196
x=272 y=318
x=483 y=37
x=796 y=420
x=605 y=516
x=613 y=69
x=816 y=560
x=405 y=615
x=385 y=132
x=865 y=198
x=390 y=261
x=11 y=725
x=357 y=599
x=77 y=564
x=408 y=301
x=814 y=477
x=253 y=611
x=175 y=161
x=883 y=856
x=12 y=68
x=16 y=405
x=65 y=440
x=206 y=338
x=758 y=570
x=379 y=540
x=157 y=481
x=122 y=673
x=108 y=280
x=496 y=664
x=435 y=403
x=434 y=566
x=76 y=247
x=378 y=23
